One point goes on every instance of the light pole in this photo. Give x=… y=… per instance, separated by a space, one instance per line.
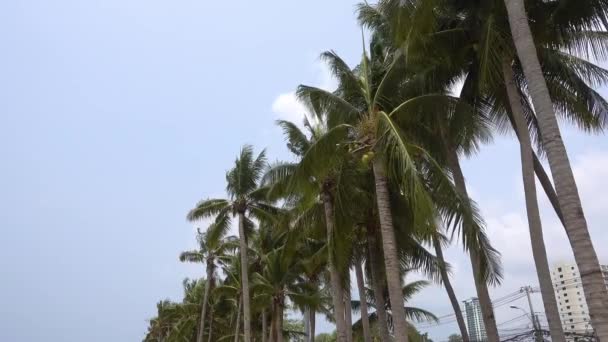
x=535 y=324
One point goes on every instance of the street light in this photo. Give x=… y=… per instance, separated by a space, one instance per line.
x=525 y=313
x=534 y=323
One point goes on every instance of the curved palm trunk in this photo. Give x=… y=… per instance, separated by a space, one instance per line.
x=377 y=268
x=336 y=283
x=312 y=325
x=273 y=318
x=545 y=182
x=264 y=319
x=367 y=335
x=487 y=312
x=306 y=325
x=565 y=184
x=244 y=278
x=201 y=331
x=209 y=338
x=279 y=325
x=237 y=324
x=348 y=310
x=450 y=290
x=536 y=231
x=389 y=244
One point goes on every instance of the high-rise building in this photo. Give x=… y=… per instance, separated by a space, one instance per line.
x=573 y=309
x=475 y=327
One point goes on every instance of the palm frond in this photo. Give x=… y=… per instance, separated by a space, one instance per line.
x=207 y=208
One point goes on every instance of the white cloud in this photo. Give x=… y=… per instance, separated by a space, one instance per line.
x=286 y=105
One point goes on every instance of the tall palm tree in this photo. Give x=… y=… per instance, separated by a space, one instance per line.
x=246 y=199
x=360 y=256
x=409 y=290
x=445 y=279
x=373 y=101
x=565 y=184
x=398 y=22
x=532 y=210
x=486 y=41
x=315 y=183
x=212 y=245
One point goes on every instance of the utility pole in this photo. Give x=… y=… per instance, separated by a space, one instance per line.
x=535 y=322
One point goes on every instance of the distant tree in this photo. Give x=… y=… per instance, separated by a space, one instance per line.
x=326 y=337
x=454 y=338
x=295 y=330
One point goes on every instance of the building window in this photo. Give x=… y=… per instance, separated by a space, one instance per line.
x=572 y=327
x=569 y=313
x=559 y=269
x=563 y=288
x=567 y=301
x=571 y=320
x=578 y=292
x=561 y=275
x=572 y=267
x=565 y=295
x=568 y=307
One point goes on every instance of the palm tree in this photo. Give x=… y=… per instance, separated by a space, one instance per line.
x=319 y=174
x=246 y=198
x=358 y=265
x=372 y=102
x=490 y=48
x=412 y=313
x=177 y=321
x=395 y=21
x=212 y=245
x=565 y=184
x=445 y=279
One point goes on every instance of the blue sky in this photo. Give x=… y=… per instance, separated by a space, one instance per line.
x=116 y=116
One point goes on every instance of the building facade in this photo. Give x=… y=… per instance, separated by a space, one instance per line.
x=475 y=327
x=573 y=309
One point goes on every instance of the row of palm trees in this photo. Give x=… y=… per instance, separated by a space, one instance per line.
x=376 y=176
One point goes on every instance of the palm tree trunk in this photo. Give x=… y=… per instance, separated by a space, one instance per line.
x=306 y=324
x=545 y=182
x=489 y=320
x=367 y=334
x=273 y=318
x=377 y=271
x=264 y=319
x=201 y=331
x=312 y=325
x=445 y=278
x=536 y=232
x=244 y=278
x=210 y=325
x=334 y=274
x=389 y=244
x=588 y=264
x=280 y=321
x=348 y=310
x=237 y=324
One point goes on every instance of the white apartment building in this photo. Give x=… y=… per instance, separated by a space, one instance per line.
x=475 y=326
x=571 y=302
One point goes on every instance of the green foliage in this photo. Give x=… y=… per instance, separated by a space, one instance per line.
x=395 y=106
x=454 y=338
